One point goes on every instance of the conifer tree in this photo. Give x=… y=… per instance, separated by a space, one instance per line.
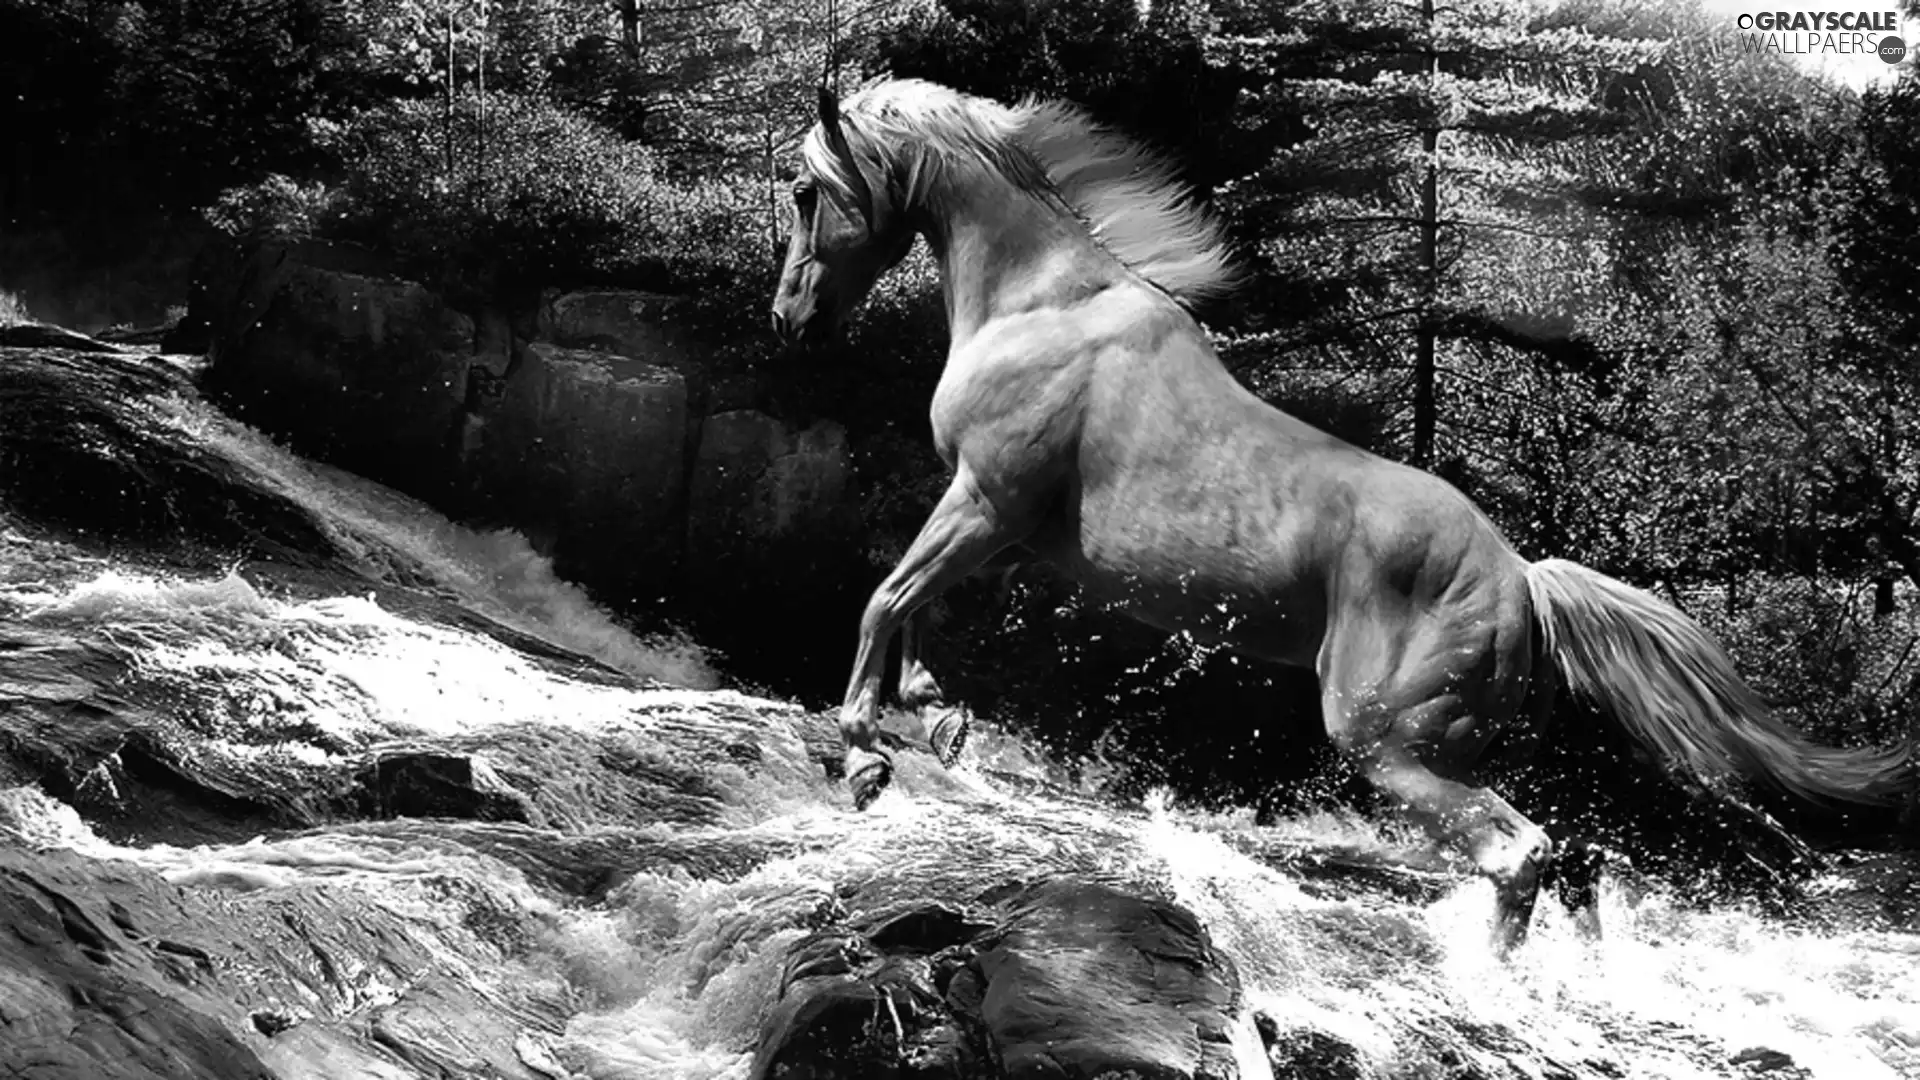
x=1432 y=147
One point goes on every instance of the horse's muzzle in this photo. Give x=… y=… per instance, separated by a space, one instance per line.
x=803 y=331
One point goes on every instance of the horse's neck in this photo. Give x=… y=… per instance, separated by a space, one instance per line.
x=1003 y=251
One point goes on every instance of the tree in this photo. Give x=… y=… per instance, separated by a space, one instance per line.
x=1433 y=143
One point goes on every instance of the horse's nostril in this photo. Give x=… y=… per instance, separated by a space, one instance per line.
x=780 y=329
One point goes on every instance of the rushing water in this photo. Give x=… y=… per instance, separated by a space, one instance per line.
x=670 y=972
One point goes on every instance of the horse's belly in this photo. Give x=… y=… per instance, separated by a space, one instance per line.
x=1249 y=602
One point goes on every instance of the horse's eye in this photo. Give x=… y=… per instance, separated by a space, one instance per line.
x=803 y=198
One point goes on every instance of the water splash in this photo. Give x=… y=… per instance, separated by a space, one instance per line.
x=496 y=573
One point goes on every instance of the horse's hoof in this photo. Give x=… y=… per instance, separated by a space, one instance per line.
x=1575 y=873
x=868 y=777
x=949 y=736
x=1509 y=933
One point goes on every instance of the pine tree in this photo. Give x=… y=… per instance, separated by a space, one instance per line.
x=1431 y=152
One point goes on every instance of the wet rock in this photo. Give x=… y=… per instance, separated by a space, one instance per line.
x=84 y=452
x=759 y=486
x=108 y=971
x=423 y=783
x=1307 y=1054
x=45 y=336
x=1762 y=1061
x=1421 y=875
x=773 y=526
x=1087 y=980
x=622 y=321
x=363 y=370
x=588 y=449
x=72 y=1003
x=847 y=1009
x=1068 y=979
x=271 y=1022
x=147 y=789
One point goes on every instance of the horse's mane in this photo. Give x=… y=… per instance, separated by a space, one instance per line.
x=1129 y=197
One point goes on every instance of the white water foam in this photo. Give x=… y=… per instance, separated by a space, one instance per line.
x=496 y=573
x=1842 y=1004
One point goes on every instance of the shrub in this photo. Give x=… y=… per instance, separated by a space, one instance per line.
x=1816 y=651
x=276 y=207
x=535 y=196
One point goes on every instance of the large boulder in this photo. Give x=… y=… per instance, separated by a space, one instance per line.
x=1087 y=980
x=654 y=327
x=1069 y=979
x=623 y=321
x=773 y=526
x=585 y=451
x=760 y=489
x=359 y=368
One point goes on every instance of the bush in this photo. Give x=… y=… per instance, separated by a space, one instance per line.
x=536 y=196
x=274 y=208
x=1816 y=652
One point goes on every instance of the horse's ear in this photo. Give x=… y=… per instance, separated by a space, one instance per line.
x=829 y=108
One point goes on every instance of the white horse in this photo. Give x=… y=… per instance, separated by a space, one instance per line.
x=1087 y=419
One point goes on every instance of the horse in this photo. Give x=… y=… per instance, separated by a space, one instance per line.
x=1088 y=423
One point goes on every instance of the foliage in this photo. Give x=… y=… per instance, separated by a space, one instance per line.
x=276 y=207
x=537 y=195
x=1816 y=650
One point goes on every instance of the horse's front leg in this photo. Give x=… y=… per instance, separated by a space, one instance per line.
x=947 y=732
x=962 y=533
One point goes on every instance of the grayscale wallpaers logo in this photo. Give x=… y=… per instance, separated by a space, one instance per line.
x=1828 y=32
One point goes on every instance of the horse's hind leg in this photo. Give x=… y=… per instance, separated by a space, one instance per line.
x=960 y=535
x=1578 y=865
x=1503 y=846
x=1397 y=715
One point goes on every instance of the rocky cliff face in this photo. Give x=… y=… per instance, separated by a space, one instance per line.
x=593 y=424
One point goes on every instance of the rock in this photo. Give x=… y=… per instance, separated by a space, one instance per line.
x=588 y=450
x=156 y=335
x=1088 y=980
x=761 y=495
x=846 y=1010
x=773 y=526
x=1763 y=1061
x=439 y=785
x=635 y=324
x=81 y=453
x=1072 y=979
x=44 y=336
x=107 y=971
x=75 y=1008
x=1309 y=1054
x=363 y=370
x=652 y=327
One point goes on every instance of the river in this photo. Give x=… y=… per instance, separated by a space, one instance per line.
x=649 y=845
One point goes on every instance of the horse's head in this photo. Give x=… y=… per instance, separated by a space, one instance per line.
x=845 y=232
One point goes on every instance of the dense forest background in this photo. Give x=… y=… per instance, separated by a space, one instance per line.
x=1649 y=296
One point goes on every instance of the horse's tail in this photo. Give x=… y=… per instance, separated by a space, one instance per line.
x=1672 y=686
